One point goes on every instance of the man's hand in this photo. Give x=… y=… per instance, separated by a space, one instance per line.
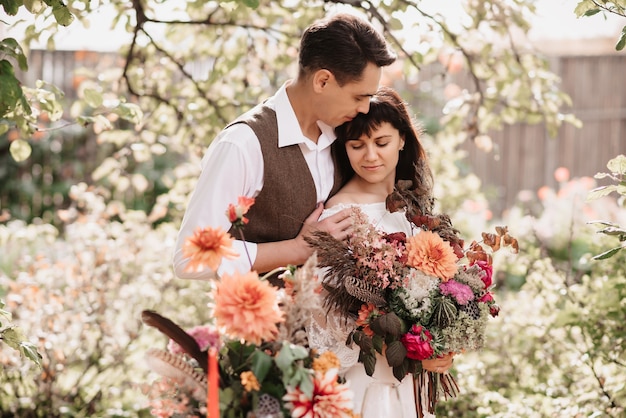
x=338 y=225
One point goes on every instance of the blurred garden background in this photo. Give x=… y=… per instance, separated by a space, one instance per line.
x=106 y=108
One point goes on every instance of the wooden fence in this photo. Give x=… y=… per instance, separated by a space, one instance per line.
x=525 y=157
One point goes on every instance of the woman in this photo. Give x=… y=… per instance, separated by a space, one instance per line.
x=373 y=152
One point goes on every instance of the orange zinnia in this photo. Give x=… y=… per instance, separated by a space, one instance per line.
x=206 y=248
x=432 y=255
x=247 y=307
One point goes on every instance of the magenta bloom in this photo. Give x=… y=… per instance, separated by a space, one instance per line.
x=486 y=298
x=205 y=335
x=417 y=343
x=462 y=293
x=488 y=269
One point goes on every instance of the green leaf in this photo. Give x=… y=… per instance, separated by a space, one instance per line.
x=93 y=97
x=251 y=3
x=612 y=231
x=34 y=6
x=4 y=128
x=10 y=47
x=10 y=88
x=10 y=6
x=130 y=112
x=369 y=362
x=285 y=357
x=400 y=371
x=378 y=342
x=395 y=353
x=387 y=324
x=608 y=254
x=617 y=164
x=20 y=150
x=61 y=13
x=601 y=191
x=13 y=337
x=592 y=12
x=583 y=7
x=30 y=351
x=261 y=364
x=307 y=386
x=621 y=42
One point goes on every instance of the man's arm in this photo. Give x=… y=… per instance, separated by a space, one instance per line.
x=296 y=251
x=229 y=170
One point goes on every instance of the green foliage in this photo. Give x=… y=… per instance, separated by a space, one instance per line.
x=617 y=173
x=588 y=8
x=15 y=338
x=243 y=50
x=556 y=349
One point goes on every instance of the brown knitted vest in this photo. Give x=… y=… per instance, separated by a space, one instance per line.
x=288 y=196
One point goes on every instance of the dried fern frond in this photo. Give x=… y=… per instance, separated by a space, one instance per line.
x=345 y=291
x=302 y=302
x=175 y=367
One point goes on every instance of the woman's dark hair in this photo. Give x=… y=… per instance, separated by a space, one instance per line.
x=343 y=44
x=387 y=106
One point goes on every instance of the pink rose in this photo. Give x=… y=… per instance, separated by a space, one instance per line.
x=488 y=269
x=417 y=343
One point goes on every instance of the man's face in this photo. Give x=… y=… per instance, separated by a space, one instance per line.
x=342 y=103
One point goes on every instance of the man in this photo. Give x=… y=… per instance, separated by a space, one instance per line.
x=279 y=152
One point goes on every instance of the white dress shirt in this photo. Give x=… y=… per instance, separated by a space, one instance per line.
x=233 y=167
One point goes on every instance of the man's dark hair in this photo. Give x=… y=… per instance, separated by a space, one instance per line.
x=343 y=44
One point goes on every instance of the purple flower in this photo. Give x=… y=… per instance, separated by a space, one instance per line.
x=462 y=293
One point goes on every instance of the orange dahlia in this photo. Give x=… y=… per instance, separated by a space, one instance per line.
x=206 y=248
x=432 y=255
x=330 y=399
x=247 y=307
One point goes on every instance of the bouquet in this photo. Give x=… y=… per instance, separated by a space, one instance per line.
x=265 y=367
x=412 y=298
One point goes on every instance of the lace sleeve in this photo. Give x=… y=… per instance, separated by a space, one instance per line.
x=329 y=332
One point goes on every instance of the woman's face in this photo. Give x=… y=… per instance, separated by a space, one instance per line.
x=374 y=158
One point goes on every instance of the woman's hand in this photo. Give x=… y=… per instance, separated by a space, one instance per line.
x=440 y=364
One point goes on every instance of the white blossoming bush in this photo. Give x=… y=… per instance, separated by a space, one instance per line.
x=78 y=294
x=558 y=347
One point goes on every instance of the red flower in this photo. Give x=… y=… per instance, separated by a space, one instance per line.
x=396 y=237
x=488 y=269
x=486 y=298
x=235 y=213
x=417 y=343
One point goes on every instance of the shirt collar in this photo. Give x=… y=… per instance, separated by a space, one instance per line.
x=289 y=131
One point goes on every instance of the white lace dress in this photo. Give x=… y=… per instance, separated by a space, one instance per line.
x=380 y=395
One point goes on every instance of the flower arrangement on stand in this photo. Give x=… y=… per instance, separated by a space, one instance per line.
x=411 y=298
x=266 y=369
